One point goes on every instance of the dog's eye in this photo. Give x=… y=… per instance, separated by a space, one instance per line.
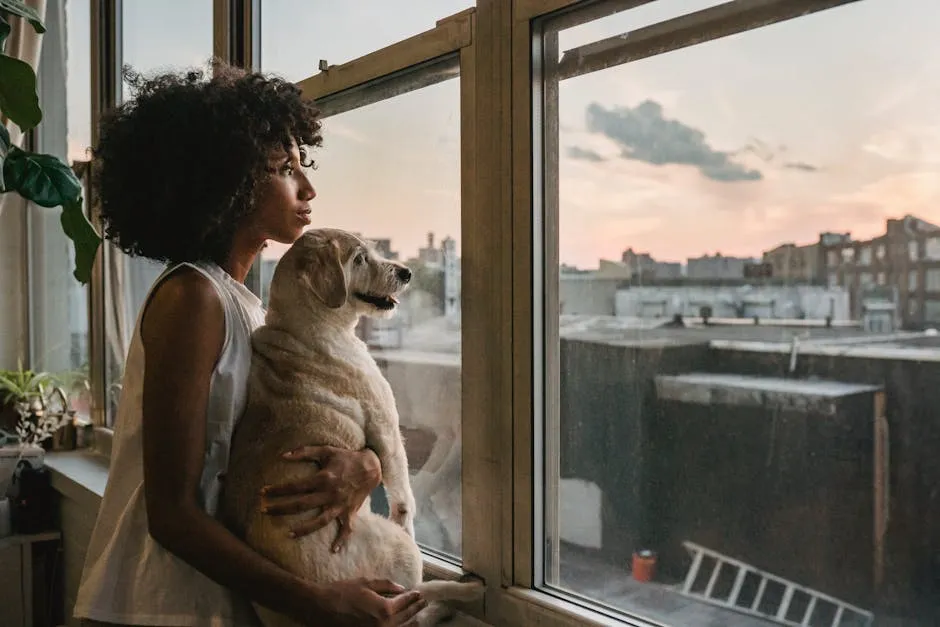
x=359 y=259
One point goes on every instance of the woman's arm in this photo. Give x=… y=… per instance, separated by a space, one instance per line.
x=183 y=330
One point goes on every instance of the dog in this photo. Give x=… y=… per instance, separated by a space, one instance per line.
x=312 y=381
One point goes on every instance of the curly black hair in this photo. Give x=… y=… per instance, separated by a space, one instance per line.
x=176 y=166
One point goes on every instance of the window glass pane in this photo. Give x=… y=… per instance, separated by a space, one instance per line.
x=296 y=34
x=733 y=412
x=155 y=38
x=411 y=210
x=58 y=305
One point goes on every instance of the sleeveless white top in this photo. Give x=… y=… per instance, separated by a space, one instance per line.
x=128 y=578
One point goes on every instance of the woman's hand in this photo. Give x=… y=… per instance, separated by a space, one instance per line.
x=339 y=484
x=360 y=603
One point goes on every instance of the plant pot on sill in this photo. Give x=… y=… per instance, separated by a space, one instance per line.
x=8 y=417
x=11 y=456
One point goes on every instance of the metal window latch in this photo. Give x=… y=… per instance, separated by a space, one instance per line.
x=324 y=66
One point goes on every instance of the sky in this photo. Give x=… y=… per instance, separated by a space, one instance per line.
x=826 y=122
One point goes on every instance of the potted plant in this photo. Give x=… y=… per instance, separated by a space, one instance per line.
x=40 y=178
x=41 y=407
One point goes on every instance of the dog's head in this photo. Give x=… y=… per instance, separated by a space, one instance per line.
x=344 y=273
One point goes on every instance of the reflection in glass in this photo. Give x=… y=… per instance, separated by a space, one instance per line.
x=745 y=429
x=390 y=171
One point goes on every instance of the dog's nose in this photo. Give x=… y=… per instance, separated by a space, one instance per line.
x=404 y=275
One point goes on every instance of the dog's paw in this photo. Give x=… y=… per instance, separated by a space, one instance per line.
x=404 y=516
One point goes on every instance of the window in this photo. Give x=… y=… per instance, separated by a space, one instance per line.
x=58 y=304
x=913 y=250
x=340 y=32
x=932 y=248
x=880 y=252
x=912 y=281
x=932 y=280
x=683 y=471
x=932 y=310
x=411 y=209
x=154 y=39
x=832 y=259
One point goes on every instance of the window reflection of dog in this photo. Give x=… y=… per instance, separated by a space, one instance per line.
x=313 y=382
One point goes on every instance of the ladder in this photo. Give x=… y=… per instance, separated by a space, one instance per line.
x=761 y=594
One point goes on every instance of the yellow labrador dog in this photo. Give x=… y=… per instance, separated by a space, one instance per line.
x=313 y=382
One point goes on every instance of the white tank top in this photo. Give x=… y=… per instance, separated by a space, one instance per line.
x=128 y=578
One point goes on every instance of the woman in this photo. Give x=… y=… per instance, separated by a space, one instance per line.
x=199 y=174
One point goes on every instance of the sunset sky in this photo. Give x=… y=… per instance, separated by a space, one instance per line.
x=827 y=122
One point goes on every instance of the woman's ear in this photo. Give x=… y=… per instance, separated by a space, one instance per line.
x=323 y=270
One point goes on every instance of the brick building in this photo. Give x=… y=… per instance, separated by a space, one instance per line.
x=902 y=265
x=792 y=263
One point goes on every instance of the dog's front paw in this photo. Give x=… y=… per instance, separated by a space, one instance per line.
x=404 y=516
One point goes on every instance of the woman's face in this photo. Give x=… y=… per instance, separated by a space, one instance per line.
x=282 y=199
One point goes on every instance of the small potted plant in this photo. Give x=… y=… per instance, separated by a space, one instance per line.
x=40 y=406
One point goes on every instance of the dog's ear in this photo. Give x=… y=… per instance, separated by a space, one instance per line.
x=323 y=270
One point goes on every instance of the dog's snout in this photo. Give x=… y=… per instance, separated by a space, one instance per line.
x=404 y=275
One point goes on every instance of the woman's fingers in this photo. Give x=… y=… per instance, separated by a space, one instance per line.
x=295 y=504
x=385 y=586
x=342 y=534
x=405 y=607
x=316 y=454
x=320 y=521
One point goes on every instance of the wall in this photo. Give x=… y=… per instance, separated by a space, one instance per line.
x=913 y=399
x=584 y=294
x=607 y=406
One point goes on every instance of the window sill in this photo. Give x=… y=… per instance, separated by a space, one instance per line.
x=79 y=475
x=522 y=606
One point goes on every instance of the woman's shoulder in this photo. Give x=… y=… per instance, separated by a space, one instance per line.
x=184 y=294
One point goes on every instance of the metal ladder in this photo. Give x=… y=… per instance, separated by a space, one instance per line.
x=844 y=614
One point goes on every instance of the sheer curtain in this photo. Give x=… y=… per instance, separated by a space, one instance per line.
x=23 y=43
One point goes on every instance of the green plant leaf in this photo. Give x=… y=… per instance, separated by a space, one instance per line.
x=5 y=30
x=18 y=98
x=4 y=149
x=77 y=227
x=43 y=179
x=17 y=7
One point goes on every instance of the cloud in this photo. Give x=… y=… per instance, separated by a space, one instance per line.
x=643 y=134
x=799 y=165
x=771 y=155
x=585 y=154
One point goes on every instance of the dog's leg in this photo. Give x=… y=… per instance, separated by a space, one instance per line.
x=388 y=444
x=437 y=592
x=441 y=590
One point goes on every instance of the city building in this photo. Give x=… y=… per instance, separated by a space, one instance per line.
x=794 y=263
x=717 y=267
x=902 y=266
x=642 y=266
